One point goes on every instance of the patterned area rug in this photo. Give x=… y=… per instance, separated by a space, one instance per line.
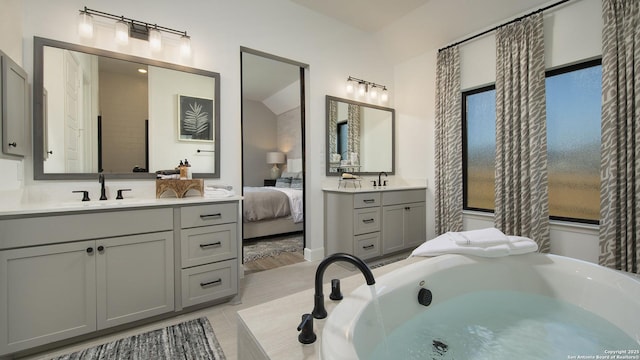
x=189 y=340
x=271 y=247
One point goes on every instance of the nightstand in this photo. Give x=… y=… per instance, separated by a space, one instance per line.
x=269 y=182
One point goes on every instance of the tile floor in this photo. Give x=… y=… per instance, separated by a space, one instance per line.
x=255 y=289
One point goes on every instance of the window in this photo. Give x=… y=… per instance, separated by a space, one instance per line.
x=573 y=143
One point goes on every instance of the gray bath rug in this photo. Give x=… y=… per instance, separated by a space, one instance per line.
x=271 y=247
x=189 y=340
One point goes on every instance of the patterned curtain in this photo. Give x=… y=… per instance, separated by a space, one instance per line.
x=333 y=126
x=620 y=149
x=353 y=124
x=448 y=127
x=522 y=206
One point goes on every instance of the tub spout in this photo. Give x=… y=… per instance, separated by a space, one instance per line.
x=319 y=312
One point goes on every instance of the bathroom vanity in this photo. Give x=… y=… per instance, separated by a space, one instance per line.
x=374 y=222
x=72 y=270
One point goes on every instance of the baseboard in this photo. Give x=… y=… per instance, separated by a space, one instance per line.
x=314 y=254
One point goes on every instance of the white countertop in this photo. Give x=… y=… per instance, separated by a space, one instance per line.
x=49 y=207
x=350 y=188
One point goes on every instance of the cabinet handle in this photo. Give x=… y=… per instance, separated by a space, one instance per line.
x=100 y=248
x=369 y=201
x=214 y=282
x=14 y=144
x=368 y=221
x=204 y=246
x=211 y=216
x=89 y=250
x=367 y=247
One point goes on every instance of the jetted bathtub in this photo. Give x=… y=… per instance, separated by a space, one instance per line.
x=478 y=290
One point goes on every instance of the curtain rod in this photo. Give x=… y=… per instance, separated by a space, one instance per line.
x=505 y=24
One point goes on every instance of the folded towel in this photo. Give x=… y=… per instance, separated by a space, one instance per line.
x=214 y=187
x=482 y=237
x=445 y=244
x=216 y=193
x=169 y=177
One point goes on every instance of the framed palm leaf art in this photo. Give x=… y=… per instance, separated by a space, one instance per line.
x=195 y=119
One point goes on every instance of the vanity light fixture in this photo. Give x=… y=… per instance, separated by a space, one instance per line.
x=373 y=90
x=126 y=27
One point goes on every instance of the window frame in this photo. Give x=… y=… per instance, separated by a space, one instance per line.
x=464 y=94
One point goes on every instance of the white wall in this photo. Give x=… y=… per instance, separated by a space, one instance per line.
x=260 y=129
x=218 y=29
x=572 y=33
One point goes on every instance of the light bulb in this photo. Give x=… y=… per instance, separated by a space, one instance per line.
x=185 y=45
x=385 y=95
x=122 y=33
x=85 y=25
x=155 y=39
x=362 y=89
x=349 y=87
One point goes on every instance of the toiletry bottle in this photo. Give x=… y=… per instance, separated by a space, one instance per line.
x=183 y=171
x=188 y=166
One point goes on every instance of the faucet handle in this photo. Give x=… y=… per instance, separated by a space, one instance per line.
x=119 y=196
x=374 y=183
x=85 y=194
x=385 y=183
x=307 y=336
x=336 y=294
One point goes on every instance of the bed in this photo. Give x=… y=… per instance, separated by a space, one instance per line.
x=273 y=210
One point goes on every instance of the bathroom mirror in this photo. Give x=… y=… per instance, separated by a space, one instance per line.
x=126 y=116
x=360 y=137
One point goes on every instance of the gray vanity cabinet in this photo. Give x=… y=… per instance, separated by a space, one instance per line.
x=109 y=268
x=14 y=106
x=374 y=223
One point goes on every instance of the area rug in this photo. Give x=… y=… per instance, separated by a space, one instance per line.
x=189 y=340
x=272 y=247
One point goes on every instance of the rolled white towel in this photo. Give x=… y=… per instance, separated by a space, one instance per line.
x=481 y=237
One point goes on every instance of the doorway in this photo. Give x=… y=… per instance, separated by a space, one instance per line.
x=273 y=148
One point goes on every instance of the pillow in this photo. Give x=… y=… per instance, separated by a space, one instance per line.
x=288 y=174
x=283 y=182
x=296 y=184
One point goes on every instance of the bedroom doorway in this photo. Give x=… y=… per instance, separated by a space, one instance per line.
x=273 y=114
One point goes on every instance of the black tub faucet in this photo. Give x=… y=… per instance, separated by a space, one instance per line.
x=319 y=312
x=103 y=194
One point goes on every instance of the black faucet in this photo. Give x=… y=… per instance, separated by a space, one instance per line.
x=103 y=195
x=380 y=178
x=319 y=312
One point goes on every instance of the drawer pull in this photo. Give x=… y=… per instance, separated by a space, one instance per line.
x=209 y=283
x=367 y=247
x=211 y=216
x=407 y=208
x=368 y=221
x=204 y=246
x=369 y=201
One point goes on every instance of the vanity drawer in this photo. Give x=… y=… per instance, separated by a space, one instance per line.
x=367 y=246
x=365 y=200
x=366 y=221
x=208 y=244
x=211 y=214
x=209 y=282
x=403 y=196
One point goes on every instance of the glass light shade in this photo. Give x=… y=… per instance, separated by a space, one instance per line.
x=185 y=46
x=85 y=25
x=373 y=93
x=362 y=89
x=385 y=95
x=122 y=33
x=349 y=87
x=155 y=39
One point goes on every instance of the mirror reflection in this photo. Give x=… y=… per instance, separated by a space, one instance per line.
x=360 y=137
x=121 y=115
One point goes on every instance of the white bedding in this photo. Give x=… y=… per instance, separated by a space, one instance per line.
x=295 y=202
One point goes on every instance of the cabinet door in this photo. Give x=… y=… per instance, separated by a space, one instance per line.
x=14 y=106
x=134 y=277
x=47 y=293
x=392 y=228
x=415 y=228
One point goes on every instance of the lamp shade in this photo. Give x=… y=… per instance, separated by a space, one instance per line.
x=275 y=157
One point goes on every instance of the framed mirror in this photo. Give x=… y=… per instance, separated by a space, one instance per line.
x=360 y=137
x=128 y=117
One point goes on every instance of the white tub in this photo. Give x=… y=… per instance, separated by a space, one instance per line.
x=352 y=332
